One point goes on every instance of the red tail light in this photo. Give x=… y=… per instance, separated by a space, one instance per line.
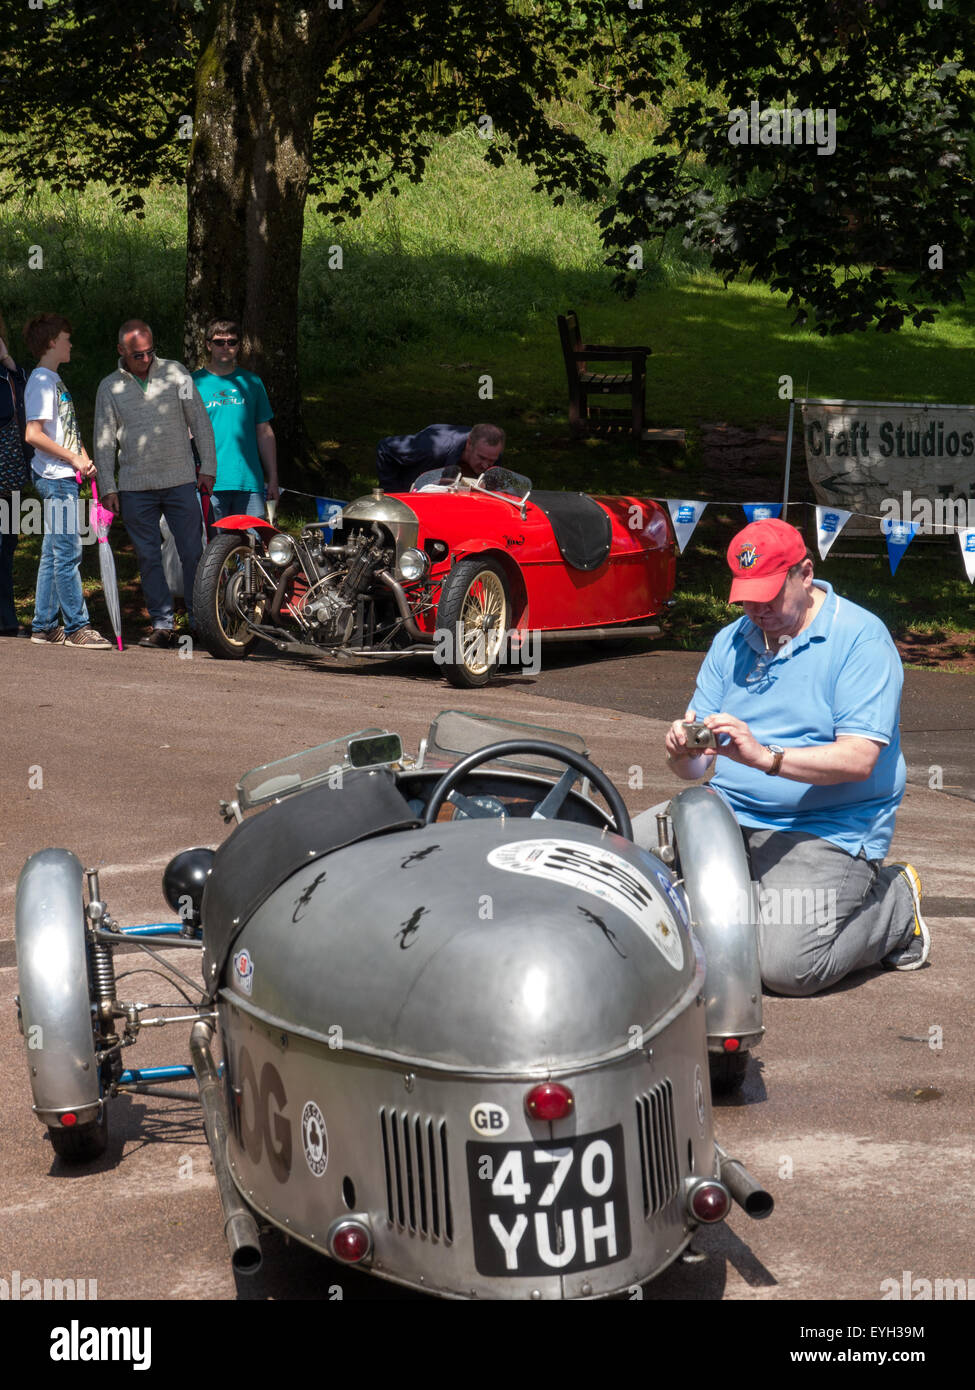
x=549 y=1101
x=709 y=1201
x=732 y=1044
x=69 y=1119
x=350 y=1242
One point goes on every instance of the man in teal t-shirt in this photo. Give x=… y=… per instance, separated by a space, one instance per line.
x=241 y=415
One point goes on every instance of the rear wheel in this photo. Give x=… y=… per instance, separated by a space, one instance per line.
x=727 y=1071
x=219 y=578
x=81 y=1143
x=474 y=609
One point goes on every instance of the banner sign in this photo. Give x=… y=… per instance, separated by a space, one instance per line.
x=900 y=462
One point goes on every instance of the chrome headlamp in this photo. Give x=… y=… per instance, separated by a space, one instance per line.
x=281 y=549
x=412 y=564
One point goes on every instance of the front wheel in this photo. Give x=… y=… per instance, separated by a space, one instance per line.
x=474 y=613
x=727 y=1071
x=81 y=1143
x=220 y=577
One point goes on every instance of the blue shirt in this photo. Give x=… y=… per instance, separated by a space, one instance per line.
x=841 y=675
x=236 y=404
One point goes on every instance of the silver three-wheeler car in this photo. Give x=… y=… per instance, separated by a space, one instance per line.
x=455 y=1023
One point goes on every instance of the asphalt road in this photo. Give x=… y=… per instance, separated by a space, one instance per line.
x=858 y=1125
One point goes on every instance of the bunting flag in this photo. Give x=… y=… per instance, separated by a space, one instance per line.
x=685 y=516
x=899 y=536
x=967 y=540
x=829 y=523
x=762 y=511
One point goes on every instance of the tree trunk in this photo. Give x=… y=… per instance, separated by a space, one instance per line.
x=257 y=85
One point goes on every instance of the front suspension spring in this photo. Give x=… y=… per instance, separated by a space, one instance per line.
x=103 y=971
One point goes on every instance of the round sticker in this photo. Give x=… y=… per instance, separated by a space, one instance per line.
x=244 y=970
x=489 y=1119
x=314 y=1140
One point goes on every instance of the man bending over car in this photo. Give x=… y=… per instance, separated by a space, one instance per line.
x=446 y=449
x=802 y=695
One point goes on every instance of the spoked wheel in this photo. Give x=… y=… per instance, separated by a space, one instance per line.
x=219 y=578
x=475 y=610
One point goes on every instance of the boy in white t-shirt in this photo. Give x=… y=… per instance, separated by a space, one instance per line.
x=59 y=455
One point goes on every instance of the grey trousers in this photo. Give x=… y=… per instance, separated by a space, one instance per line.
x=824 y=912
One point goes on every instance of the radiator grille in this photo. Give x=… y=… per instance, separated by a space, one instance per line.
x=658 y=1147
x=417 y=1174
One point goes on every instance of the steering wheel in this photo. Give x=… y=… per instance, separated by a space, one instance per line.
x=597 y=777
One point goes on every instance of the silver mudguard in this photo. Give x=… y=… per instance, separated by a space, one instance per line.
x=724 y=913
x=55 y=1000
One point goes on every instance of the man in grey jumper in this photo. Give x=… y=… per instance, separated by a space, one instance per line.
x=144 y=414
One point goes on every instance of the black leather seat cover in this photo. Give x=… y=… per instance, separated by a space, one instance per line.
x=583 y=530
x=268 y=848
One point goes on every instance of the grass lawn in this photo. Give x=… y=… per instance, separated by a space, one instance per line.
x=460 y=278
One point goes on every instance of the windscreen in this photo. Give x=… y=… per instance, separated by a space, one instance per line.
x=454 y=734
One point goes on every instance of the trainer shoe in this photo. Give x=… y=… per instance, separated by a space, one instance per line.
x=49 y=637
x=913 y=954
x=159 y=637
x=87 y=637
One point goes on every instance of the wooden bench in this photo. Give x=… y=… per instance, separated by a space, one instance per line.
x=586 y=417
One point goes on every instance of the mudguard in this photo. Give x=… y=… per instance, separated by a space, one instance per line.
x=724 y=913
x=55 y=999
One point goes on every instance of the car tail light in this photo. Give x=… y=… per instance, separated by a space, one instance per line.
x=69 y=1119
x=708 y=1200
x=732 y=1044
x=549 y=1101
x=350 y=1241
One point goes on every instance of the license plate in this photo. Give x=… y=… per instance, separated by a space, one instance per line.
x=554 y=1208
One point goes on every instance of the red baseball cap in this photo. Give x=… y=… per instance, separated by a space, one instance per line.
x=760 y=556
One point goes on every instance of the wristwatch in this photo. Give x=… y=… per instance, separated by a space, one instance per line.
x=778 y=752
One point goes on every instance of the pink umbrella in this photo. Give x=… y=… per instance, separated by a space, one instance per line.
x=106 y=563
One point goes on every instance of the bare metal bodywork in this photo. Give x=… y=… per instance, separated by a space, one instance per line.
x=389 y=997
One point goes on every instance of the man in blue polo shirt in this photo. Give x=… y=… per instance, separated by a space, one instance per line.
x=803 y=697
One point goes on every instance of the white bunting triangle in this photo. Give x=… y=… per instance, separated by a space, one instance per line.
x=685 y=516
x=829 y=523
x=967 y=540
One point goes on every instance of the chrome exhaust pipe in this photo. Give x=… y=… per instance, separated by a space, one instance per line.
x=746 y=1190
x=240 y=1228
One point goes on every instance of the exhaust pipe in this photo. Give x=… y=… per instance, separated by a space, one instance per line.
x=747 y=1192
x=239 y=1227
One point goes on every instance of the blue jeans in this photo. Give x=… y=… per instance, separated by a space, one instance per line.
x=58 y=583
x=237 y=504
x=141 y=512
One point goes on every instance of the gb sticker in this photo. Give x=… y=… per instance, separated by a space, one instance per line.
x=489 y=1119
x=314 y=1140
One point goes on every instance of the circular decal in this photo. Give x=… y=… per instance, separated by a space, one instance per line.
x=597 y=871
x=244 y=971
x=676 y=901
x=314 y=1140
x=488 y=1118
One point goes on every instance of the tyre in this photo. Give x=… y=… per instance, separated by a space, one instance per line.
x=81 y=1143
x=220 y=627
x=474 y=609
x=727 y=1071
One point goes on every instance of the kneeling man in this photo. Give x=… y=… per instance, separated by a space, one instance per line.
x=803 y=697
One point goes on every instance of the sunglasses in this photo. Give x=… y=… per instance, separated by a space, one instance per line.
x=138 y=356
x=225 y=342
